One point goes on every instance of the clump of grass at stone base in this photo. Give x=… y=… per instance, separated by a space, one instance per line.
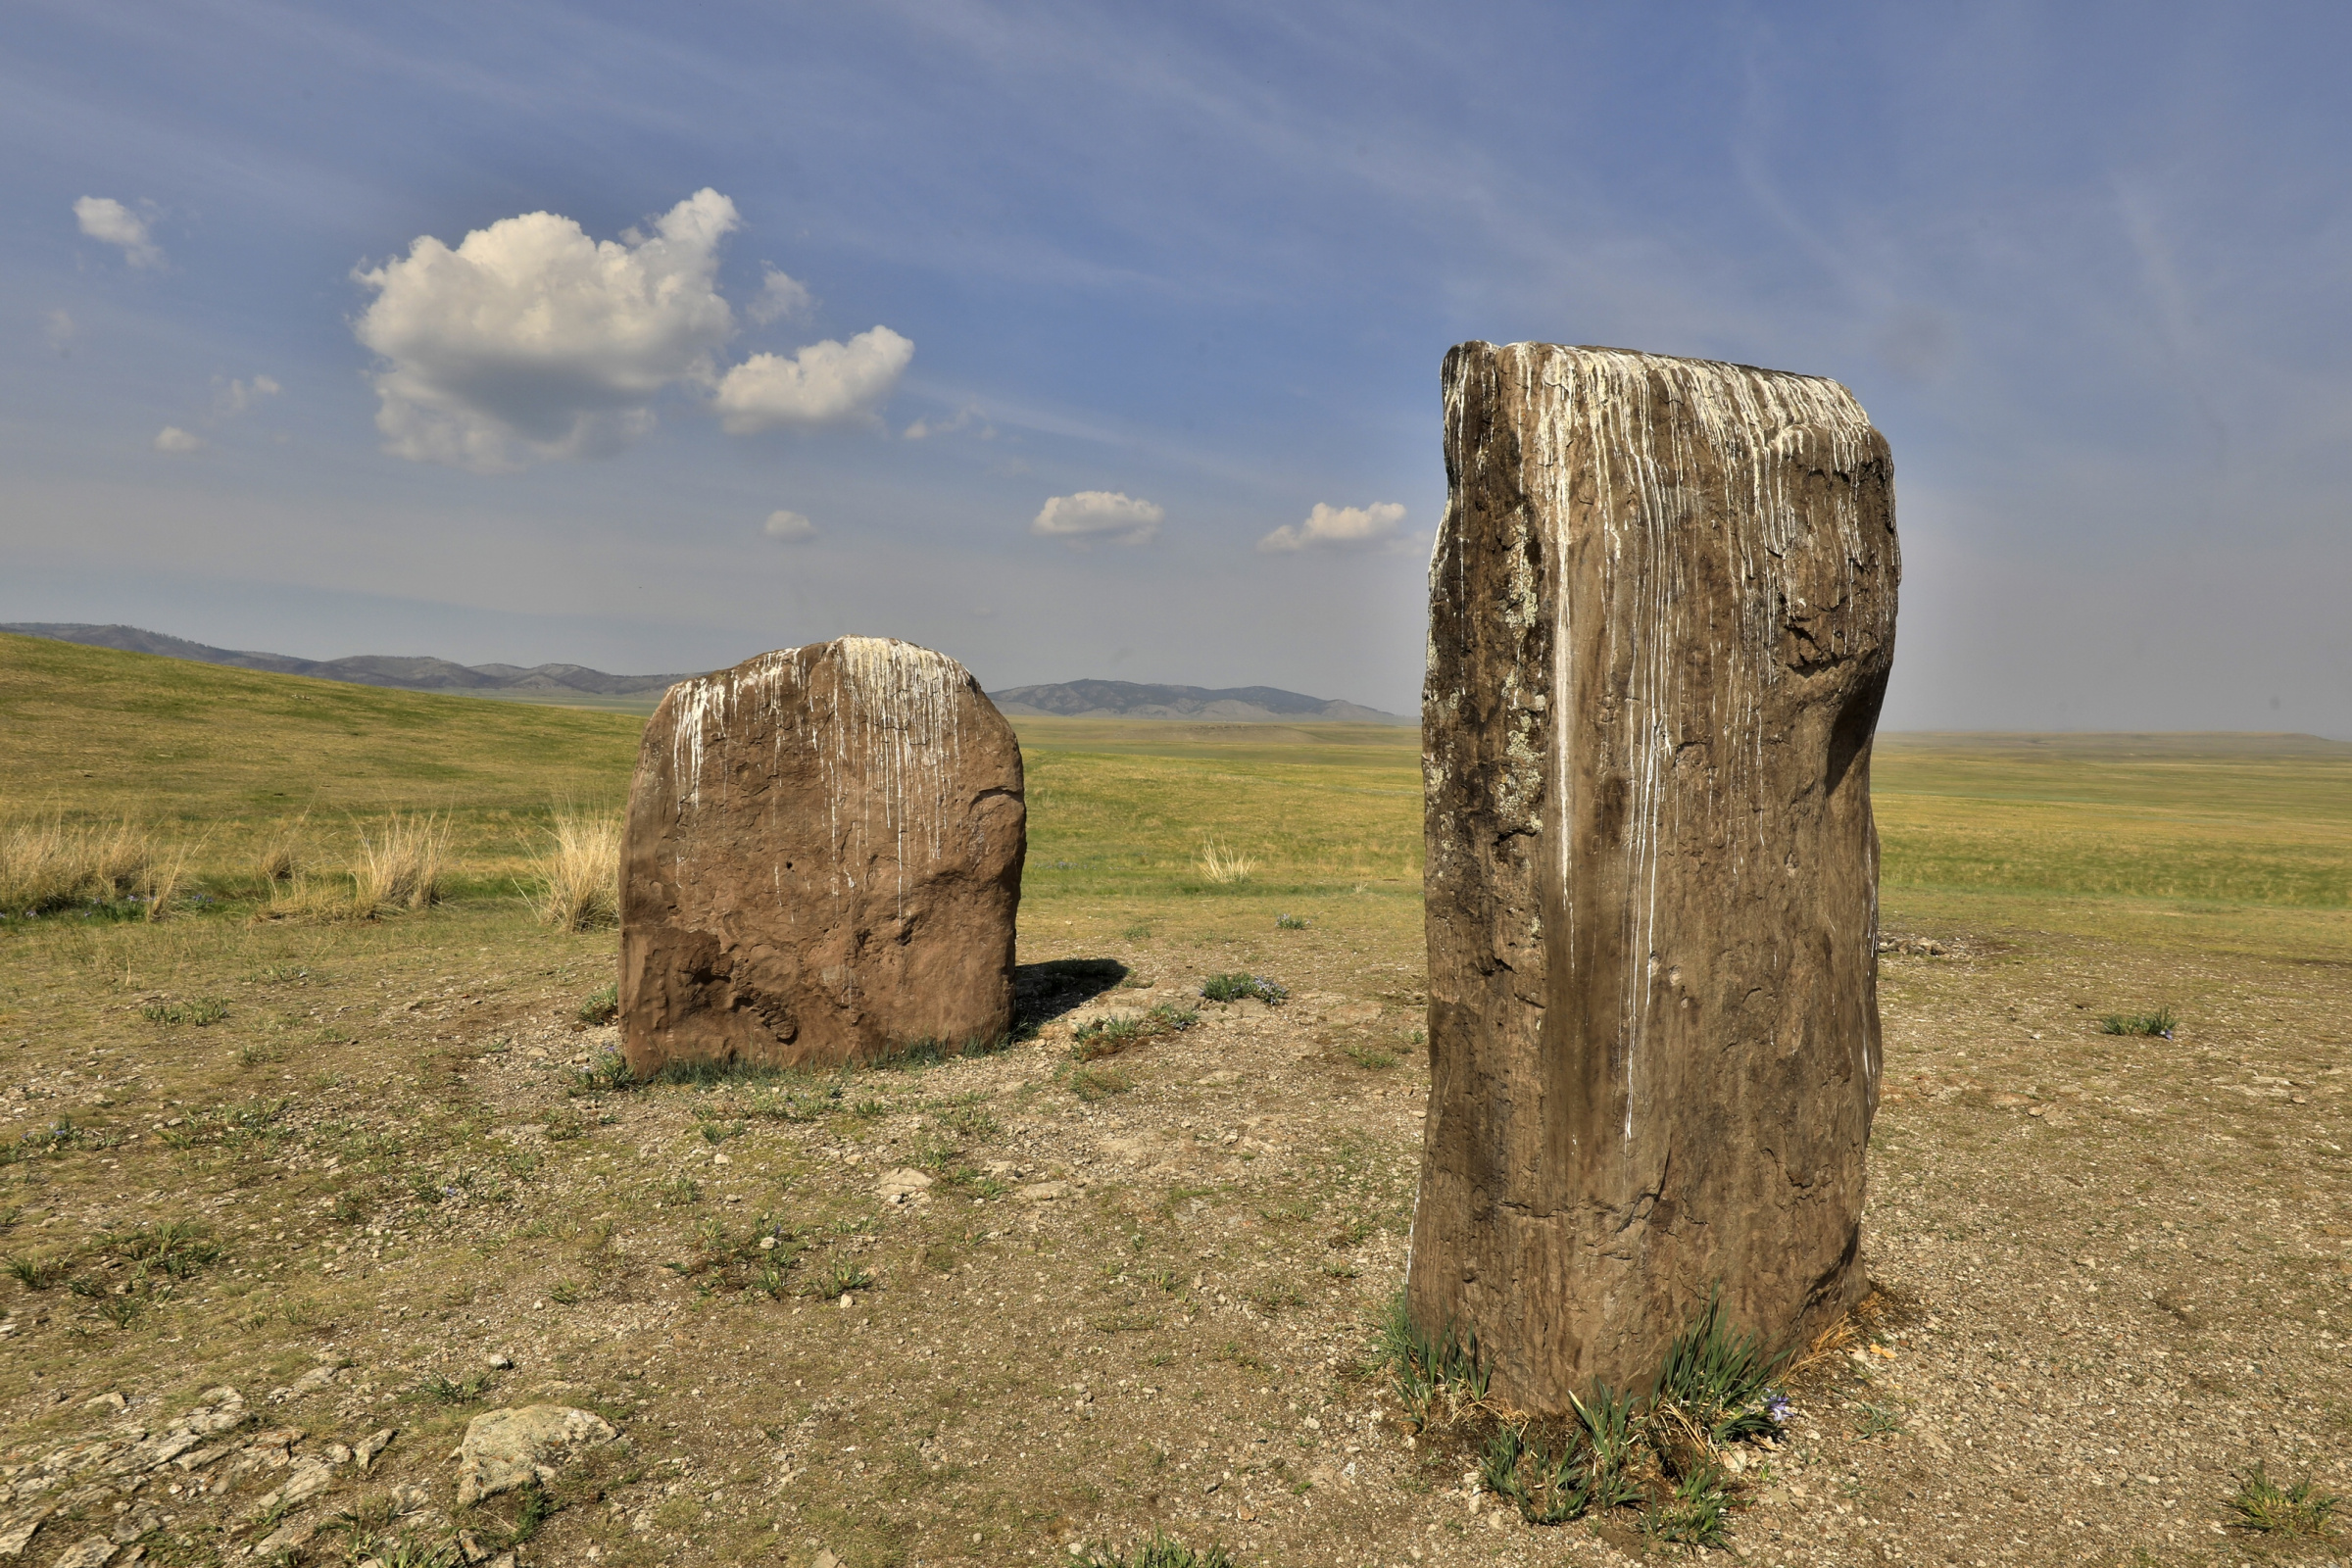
x=1440 y=1379
x=1660 y=1455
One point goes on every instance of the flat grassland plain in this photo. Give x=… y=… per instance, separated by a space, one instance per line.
x=367 y=1173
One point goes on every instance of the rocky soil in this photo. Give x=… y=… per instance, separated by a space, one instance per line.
x=992 y=1310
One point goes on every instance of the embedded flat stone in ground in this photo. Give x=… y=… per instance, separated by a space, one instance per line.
x=823 y=861
x=507 y=1448
x=1661 y=617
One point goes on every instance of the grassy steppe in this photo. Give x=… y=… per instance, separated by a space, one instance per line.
x=231 y=756
x=2239 y=843
x=2242 y=843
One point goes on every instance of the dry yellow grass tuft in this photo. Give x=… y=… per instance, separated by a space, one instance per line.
x=403 y=862
x=1223 y=868
x=50 y=864
x=281 y=858
x=299 y=898
x=580 y=875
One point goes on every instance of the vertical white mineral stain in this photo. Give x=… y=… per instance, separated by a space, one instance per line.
x=1637 y=427
x=885 y=736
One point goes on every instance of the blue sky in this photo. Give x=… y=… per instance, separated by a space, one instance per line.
x=1039 y=333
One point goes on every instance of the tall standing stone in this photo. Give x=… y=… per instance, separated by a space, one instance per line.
x=823 y=861
x=1661 y=617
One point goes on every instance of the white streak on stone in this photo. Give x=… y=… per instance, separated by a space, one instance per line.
x=888 y=718
x=1596 y=420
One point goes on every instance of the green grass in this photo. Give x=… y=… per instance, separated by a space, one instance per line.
x=1100 y=1080
x=1160 y=1551
x=228 y=760
x=840 y=1279
x=1696 y=1514
x=602 y=1005
x=201 y=1012
x=179 y=1248
x=2243 y=843
x=2237 y=843
x=1098 y=1038
x=2160 y=1023
x=2265 y=1507
x=443 y=1389
x=34 y=1273
x=1242 y=988
x=1719 y=1381
x=1436 y=1375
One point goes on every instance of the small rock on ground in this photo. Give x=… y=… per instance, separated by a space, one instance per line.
x=509 y=1448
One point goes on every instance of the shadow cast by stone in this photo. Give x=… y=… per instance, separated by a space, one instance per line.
x=1045 y=992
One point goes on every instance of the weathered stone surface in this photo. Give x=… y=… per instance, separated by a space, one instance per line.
x=1661 y=617
x=509 y=1448
x=286 y=1538
x=223 y=1410
x=901 y=1183
x=17 y=1530
x=373 y=1444
x=823 y=861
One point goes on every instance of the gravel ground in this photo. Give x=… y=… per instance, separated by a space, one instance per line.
x=2110 y=1275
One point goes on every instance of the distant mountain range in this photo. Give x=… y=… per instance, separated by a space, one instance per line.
x=364 y=669
x=1125 y=699
x=1075 y=699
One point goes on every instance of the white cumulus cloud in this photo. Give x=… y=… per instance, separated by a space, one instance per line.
x=1329 y=527
x=779 y=297
x=530 y=334
x=173 y=440
x=103 y=218
x=789 y=526
x=1096 y=514
x=824 y=383
x=233 y=398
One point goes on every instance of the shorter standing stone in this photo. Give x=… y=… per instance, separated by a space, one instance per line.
x=823 y=861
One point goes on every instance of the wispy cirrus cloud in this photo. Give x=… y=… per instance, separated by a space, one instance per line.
x=233 y=397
